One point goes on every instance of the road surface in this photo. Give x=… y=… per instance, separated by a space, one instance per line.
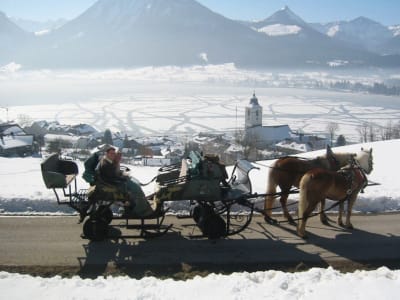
x=48 y=246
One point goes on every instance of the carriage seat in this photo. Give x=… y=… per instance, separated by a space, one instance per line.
x=58 y=173
x=240 y=181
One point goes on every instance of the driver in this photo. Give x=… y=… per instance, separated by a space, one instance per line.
x=109 y=171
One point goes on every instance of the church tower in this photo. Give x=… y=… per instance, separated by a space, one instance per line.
x=253 y=117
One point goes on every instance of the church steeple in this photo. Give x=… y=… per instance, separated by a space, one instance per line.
x=253 y=115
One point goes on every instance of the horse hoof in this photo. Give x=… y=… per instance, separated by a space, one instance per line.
x=303 y=236
x=325 y=222
x=270 y=221
x=350 y=226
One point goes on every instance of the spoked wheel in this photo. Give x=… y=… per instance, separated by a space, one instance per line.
x=95 y=229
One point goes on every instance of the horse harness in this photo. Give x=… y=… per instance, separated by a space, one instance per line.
x=355 y=178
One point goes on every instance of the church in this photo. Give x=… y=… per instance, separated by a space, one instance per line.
x=262 y=135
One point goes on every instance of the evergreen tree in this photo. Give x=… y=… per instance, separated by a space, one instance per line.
x=340 y=141
x=127 y=144
x=107 y=138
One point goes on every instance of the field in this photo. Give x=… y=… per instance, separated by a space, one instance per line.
x=169 y=100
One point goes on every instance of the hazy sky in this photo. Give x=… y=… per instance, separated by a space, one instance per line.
x=386 y=12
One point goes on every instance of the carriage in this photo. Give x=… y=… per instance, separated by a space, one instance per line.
x=219 y=205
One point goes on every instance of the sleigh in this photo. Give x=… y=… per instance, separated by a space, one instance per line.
x=219 y=205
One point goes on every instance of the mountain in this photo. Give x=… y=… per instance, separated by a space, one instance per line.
x=304 y=40
x=359 y=33
x=38 y=27
x=12 y=40
x=127 y=33
x=130 y=33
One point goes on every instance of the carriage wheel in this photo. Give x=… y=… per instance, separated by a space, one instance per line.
x=95 y=229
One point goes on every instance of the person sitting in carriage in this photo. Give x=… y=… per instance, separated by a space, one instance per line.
x=108 y=172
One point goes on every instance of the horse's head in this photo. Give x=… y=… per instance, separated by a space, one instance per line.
x=364 y=159
x=339 y=160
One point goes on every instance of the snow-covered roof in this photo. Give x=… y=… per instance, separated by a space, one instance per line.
x=17 y=141
x=63 y=137
x=11 y=129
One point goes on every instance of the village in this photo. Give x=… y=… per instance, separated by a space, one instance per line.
x=253 y=141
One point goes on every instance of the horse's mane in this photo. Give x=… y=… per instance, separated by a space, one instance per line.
x=343 y=158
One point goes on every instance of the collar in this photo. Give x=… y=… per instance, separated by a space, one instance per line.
x=108 y=160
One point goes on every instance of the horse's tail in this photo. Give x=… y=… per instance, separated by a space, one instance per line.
x=271 y=191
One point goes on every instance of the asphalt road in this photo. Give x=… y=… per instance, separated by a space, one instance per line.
x=48 y=246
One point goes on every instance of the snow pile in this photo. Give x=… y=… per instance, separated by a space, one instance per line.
x=314 y=284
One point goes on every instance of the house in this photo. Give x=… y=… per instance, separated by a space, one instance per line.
x=262 y=136
x=14 y=141
x=16 y=145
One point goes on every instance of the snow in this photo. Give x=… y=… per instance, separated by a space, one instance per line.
x=333 y=30
x=395 y=30
x=313 y=284
x=280 y=29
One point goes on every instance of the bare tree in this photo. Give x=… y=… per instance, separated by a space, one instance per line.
x=372 y=132
x=396 y=131
x=332 y=127
x=387 y=131
x=362 y=129
x=24 y=120
x=248 y=141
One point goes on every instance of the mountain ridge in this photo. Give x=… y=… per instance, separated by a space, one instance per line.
x=130 y=33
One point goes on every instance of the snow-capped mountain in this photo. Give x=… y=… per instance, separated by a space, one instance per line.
x=152 y=32
x=395 y=29
x=360 y=32
x=283 y=22
x=129 y=33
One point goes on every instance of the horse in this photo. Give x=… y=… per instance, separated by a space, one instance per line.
x=344 y=185
x=287 y=172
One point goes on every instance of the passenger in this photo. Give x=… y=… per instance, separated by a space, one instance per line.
x=110 y=172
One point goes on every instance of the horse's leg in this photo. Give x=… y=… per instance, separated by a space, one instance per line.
x=270 y=200
x=307 y=204
x=352 y=200
x=340 y=214
x=322 y=215
x=270 y=197
x=283 y=200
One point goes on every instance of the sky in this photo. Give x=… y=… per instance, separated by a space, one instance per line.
x=385 y=12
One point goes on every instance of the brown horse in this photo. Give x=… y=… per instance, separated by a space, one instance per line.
x=344 y=185
x=287 y=172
